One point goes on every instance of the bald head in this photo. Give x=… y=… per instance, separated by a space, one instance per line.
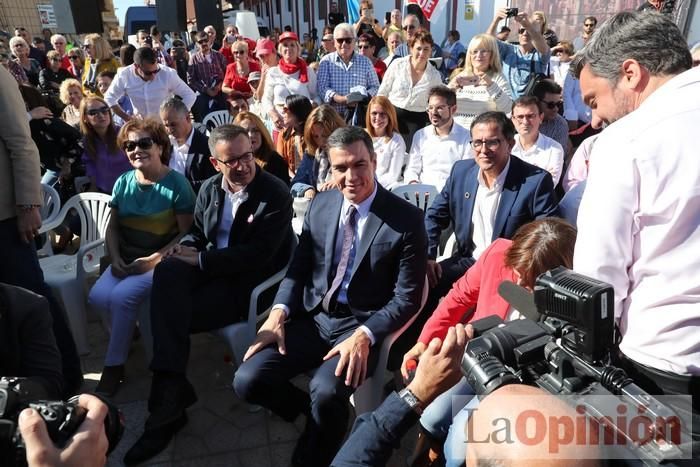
x=528 y=427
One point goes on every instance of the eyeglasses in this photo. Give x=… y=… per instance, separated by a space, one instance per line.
x=143 y=143
x=520 y=118
x=409 y=27
x=344 y=40
x=73 y=57
x=233 y=163
x=522 y=31
x=436 y=109
x=149 y=73
x=239 y=52
x=552 y=105
x=491 y=144
x=101 y=110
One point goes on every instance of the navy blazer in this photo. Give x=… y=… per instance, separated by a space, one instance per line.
x=388 y=272
x=260 y=233
x=200 y=167
x=528 y=194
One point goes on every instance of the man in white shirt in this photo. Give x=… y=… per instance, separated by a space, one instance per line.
x=439 y=145
x=639 y=222
x=530 y=144
x=147 y=84
x=190 y=155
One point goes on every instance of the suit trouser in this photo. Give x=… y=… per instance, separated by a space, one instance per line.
x=265 y=380
x=186 y=300
x=20 y=267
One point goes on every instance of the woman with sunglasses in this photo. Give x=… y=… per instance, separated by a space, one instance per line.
x=236 y=78
x=71 y=94
x=291 y=76
x=480 y=85
x=99 y=59
x=265 y=155
x=51 y=77
x=31 y=67
x=13 y=67
x=408 y=81
x=104 y=160
x=77 y=59
x=291 y=143
x=152 y=209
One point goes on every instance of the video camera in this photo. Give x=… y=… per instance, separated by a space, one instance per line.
x=62 y=419
x=565 y=347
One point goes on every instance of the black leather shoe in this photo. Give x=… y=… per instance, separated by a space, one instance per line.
x=300 y=456
x=153 y=441
x=111 y=379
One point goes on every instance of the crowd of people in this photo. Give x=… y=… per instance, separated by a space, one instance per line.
x=503 y=132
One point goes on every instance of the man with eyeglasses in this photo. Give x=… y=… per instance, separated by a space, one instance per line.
x=190 y=154
x=205 y=75
x=241 y=235
x=589 y=25
x=344 y=72
x=438 y=146
x=531 y=145
x=526 y=59
x=487 y=197
x=147 y=84
x=411 y=25
x=553 y=124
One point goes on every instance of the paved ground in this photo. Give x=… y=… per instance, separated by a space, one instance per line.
x=222 y=430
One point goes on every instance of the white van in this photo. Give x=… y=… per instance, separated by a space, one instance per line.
x=245 y=21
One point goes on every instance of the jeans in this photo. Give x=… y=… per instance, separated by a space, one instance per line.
x=437 y=417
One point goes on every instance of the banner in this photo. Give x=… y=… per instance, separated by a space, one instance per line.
x=432 y=9
x=47 y=16
x=353 y=11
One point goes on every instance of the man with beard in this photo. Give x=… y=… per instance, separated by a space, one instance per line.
x=639 y=228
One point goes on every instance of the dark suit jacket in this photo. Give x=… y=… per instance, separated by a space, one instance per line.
x=388 y=273
x=528 y=194
x=260 y=234
x=200 y=168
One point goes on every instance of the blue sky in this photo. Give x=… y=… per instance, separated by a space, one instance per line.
x=122 y=5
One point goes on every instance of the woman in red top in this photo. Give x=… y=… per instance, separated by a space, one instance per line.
x=536 y=247
x=236 y=78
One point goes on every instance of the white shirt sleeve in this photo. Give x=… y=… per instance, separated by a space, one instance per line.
x=387 y=81
x=414 y=168
x=180 y=88
x=556 y=161
x=116 y=88
x=396 y=151
x=313 y=86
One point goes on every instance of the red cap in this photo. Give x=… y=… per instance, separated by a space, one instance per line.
x=289 y=35
x=265 y=46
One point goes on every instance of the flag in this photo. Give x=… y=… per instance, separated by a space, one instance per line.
x=353 y=11
x=432 y=9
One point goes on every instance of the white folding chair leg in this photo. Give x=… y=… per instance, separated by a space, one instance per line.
x=74 y=302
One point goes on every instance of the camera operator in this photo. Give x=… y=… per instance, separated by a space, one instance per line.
x=638 y=220
x=180 y=58
x=87 y=448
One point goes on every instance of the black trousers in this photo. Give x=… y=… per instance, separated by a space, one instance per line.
x=20 y=266
x=265 y=380
x=186 y=300
x=409 y=123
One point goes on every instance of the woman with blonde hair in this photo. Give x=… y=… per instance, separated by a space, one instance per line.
x=71 y=94
x=549 y=36
x=263 y=149
x=314 y=172
x=480 y=86
x=236 y=78
x=99 y=59
x=382 y=125
x=104 y=160
x=31 y=67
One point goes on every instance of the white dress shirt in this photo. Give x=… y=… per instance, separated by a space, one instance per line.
x=432 y=156
x=398 y=87
x=485 y=209
x=546 y=154
x=232 y=201
x=391 y=154
x=179 y=159
x=639 y=225
x=146 y=96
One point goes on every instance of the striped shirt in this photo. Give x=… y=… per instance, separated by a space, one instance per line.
x=337 y=77
x=202 y=71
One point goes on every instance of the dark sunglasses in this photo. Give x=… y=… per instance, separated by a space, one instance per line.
x=86 y=46
x=101 y=110
x=55 y=59
x=589 y=25
x=522 y=31
x=149 y=73
x=343 y=40
x=202 y=42
x=73 y=57
x=364 y=47
x=552 y=105
x=410 y=26
x=240 y=52
x=143 y=143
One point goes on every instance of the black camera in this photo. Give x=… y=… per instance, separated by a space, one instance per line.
x=511 y=12
x=62 y=418
x=568 y=348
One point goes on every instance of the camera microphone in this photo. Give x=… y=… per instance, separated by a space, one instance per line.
x=520 y=299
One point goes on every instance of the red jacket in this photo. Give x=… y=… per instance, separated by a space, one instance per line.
x=240 y=83
x=477 y=287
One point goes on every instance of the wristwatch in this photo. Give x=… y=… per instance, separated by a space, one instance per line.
x=412 y=401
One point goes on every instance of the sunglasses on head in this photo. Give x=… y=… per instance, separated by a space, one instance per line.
x=143 y=143
x=343 y=40
x=101 y=110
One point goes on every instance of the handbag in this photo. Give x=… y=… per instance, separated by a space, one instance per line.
x=533 y=80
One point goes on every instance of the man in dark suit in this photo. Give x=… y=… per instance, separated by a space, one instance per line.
x=190 y=154
x=357 y=275
x=239 y=237
x=484 y=198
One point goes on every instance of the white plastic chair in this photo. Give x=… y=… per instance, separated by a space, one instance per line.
x=67 y=273
x=300 y=205
x=240 y=336
x=369 y=395
x=218 y=118
x=419 y=194
x=49 y=213
x=81 y=184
